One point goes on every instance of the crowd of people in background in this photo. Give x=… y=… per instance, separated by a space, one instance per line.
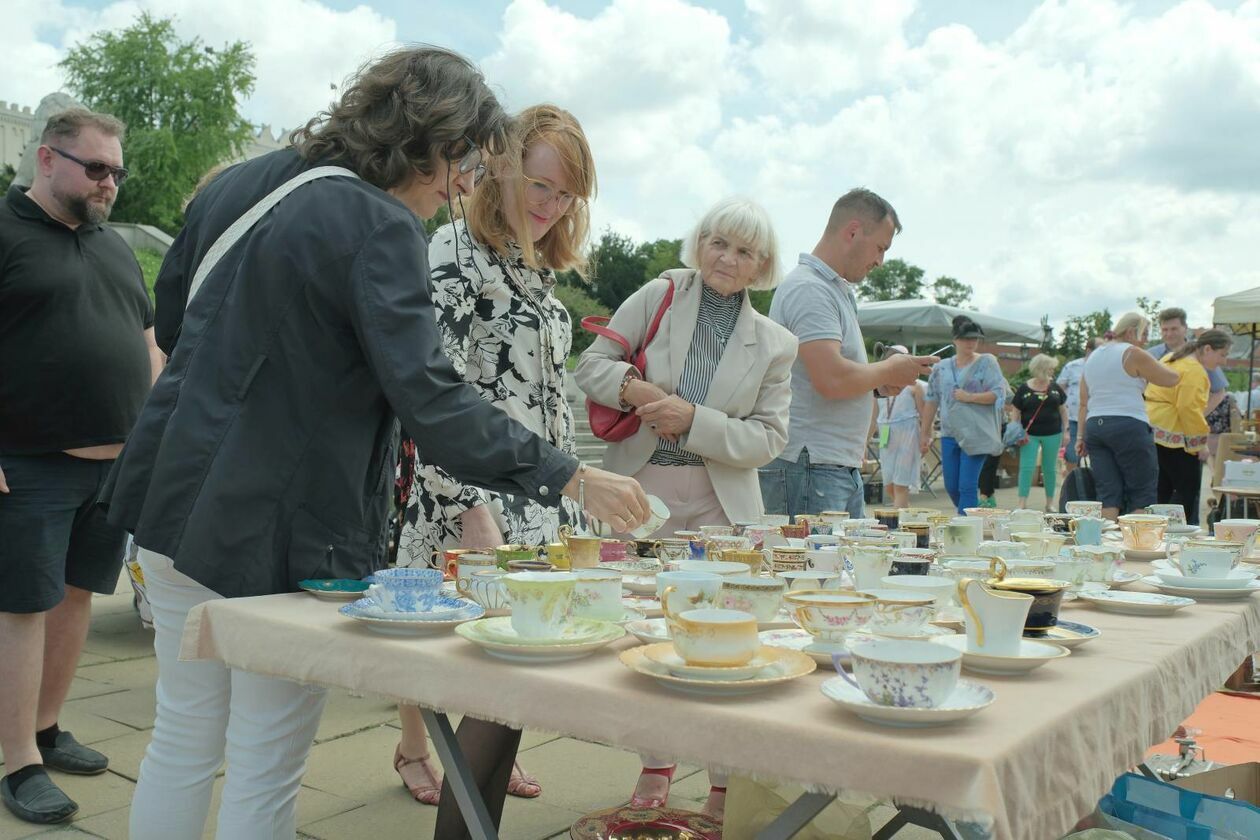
x=293 y=355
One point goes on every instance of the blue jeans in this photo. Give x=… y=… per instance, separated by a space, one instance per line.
x=796 y=487
x=962 y=474
x=1122 y=457
x=1069 y=452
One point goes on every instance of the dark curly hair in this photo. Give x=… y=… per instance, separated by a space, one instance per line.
x=398 y=111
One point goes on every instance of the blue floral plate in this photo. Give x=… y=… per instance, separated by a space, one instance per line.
x=368 y=612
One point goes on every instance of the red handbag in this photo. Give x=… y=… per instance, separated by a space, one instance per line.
x=613 y=424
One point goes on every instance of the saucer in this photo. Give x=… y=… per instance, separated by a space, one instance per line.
x=643 y=566
x=791 y=666
x=1121 y=579
x=1068 y=634
x=443 y=608
x=628 y=615
x=801 y=641
x=1229 y=593
x=1074 y=592
x=368 y=613
x=649 y=605
x=639 y=584
x=1136 y=603
x=335 y=589
x=1145 y=553
x=1233 y=580
x=1032 y=654
x=967 y=698
x=927 y=632
x=664 y=653
x=491 y=635
x=650 y=630
x=1183 y=530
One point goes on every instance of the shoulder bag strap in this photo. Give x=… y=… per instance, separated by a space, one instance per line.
x=242 y=225
x=598 y=324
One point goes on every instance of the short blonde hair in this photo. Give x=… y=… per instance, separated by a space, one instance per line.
x=1042 y=365
x=1134 y=322
x=564 y=246
x=743 y=220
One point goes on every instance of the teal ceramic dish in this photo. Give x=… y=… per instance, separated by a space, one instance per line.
x=334 y=589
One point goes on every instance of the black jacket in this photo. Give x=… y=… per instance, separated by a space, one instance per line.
x=264 y=452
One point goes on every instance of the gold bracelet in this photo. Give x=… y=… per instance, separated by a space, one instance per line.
x=625 y=383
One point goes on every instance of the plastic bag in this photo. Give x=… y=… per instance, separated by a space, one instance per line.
x=751 y=806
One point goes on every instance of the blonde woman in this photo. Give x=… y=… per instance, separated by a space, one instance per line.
x=1115 y=430
x=1043 y=414
x=715 y=398
x=493 y=275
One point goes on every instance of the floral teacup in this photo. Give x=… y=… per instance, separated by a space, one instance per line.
x=541 y=602
x=906 y=674
x=760 y=596
x=829 y=616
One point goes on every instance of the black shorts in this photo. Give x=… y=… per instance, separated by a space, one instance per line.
x=53 y=533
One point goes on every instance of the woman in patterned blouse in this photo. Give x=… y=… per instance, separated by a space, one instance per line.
x=493 y=273
x=713 y=401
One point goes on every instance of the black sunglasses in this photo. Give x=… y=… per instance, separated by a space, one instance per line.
x=95 y=169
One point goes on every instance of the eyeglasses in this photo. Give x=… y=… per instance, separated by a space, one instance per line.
x=96 y=170
x=540 y=192
x=469 y=158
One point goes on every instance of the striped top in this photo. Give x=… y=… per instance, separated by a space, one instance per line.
x=715 y=323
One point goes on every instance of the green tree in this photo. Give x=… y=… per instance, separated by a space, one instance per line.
x=661 y=255
x=580 y=304
x=7 y=174
x=894 y=280
x=950 y=291
x=617 y=268
x=179 y=100
x=1079 y=329
x=1150 y=308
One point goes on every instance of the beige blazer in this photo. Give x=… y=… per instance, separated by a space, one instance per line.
x=743 y=421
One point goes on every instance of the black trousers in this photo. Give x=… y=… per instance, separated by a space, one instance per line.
x=989 y=475
x=1179 y=475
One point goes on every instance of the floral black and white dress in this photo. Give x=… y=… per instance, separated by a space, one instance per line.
x=508 y=336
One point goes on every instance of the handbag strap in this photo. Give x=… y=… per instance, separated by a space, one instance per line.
x=598 y=324
x=242 y=225
x=1040 y=405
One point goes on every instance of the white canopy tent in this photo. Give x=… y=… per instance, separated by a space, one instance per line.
x=918 y=323
x=1240 y=312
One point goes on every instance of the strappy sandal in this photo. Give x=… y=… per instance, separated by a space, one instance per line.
x=426 y=794
x=637 y=801
x=522 y=784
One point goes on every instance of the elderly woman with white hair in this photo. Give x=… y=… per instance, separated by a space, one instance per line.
x=714 y=399
x=1043 y=413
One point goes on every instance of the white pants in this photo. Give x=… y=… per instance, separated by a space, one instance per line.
x=204 y=710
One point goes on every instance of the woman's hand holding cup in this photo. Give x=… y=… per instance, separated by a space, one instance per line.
x=615 y=499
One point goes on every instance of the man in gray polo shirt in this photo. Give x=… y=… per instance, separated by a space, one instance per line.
x=832 y=384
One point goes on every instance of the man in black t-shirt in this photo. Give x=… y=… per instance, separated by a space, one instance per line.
x=77 y=359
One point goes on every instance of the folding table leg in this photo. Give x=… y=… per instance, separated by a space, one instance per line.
x=933 y=822
x=797 y=816
x=467 y=796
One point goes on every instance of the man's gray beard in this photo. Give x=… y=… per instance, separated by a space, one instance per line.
x=85 y=212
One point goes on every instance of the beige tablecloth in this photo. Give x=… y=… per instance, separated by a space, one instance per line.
x=1029 y=766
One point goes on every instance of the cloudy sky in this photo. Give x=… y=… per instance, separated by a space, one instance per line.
x=1059 y=156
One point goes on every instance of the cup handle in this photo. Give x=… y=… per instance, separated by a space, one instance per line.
x=1072 y=526
x=997 y=568
x=971 y=611
x=844 y=675
x=565 y=532
x=671 y=620
x=462 y=587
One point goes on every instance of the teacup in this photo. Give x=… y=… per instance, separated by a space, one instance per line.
x=695 y=539
x=821 y=528
x=471 y=562
x=886 y=516
x=597 y=594
x=505 y=554
x=1006 y=549
x=868 y=563
x=754 y=532
x=614 y=551
x=1200 y=562
x=1042 y=568
x=798 y=530
x=904 y=539
x=583 y=548
x=820 y=541
x=978 y=568
x=729 y=542
x=763 y=597
x=406 y=590
x=962 y=535
x=906 y=674
x=1176 y=513
x=901 y=612
x=775 y=520
x=787 y=559
x=995 y=619
x=912 y=561
x=852 y=525
x=1237 y=530
x=711 y=531
x=833 y=517
x=915 y=516
x=1040 y=543
x=688 y=590
x=754 y=560
x=529 y=566
x=1234 y=548
x=830 y=615
x=936 y=529
x=558 y=555
x=1087 y=530
x=922 y=532
x=1047 y=597
x=485 y=587
x=1084 y=508
x=1103 y=561
x=645 y=548
x=447 y=559
x=713 y=637
x=1026 y=519
x=1073 y=570
x=673 y=550
x=1142 y=531
x=1060 y=522
x=941 y=589
x=717 y=567
x=541 y=602
x=811 y=579
x=824 y=560
x=658 y=515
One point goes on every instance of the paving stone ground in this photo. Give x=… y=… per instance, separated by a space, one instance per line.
x=350 y=789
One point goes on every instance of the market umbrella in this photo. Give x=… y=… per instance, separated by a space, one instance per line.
x=1240 y=312
x=915 y=322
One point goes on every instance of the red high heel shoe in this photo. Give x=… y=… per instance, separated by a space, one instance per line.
x=637 y=801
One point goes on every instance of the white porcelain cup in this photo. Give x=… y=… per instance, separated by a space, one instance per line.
x=1176 y=513
x=474 y=561
x=485 y=587
x=901 y=612
x=830 y=616
x=658 y=516
x=995 y=619
x=692 y=590
x=597 y=594
x=869 y=563
x=725 y=568
x=714 y=637
x=763 y=597
x=824 y=560
x=962 y=535
x=940 y=588
x=1199 y=562
x=906 y=674
x=1026 y=519
x=815 y=542
x=1103 y=561
x=1006 y=549
x=541 y=602
x=1083 y=508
